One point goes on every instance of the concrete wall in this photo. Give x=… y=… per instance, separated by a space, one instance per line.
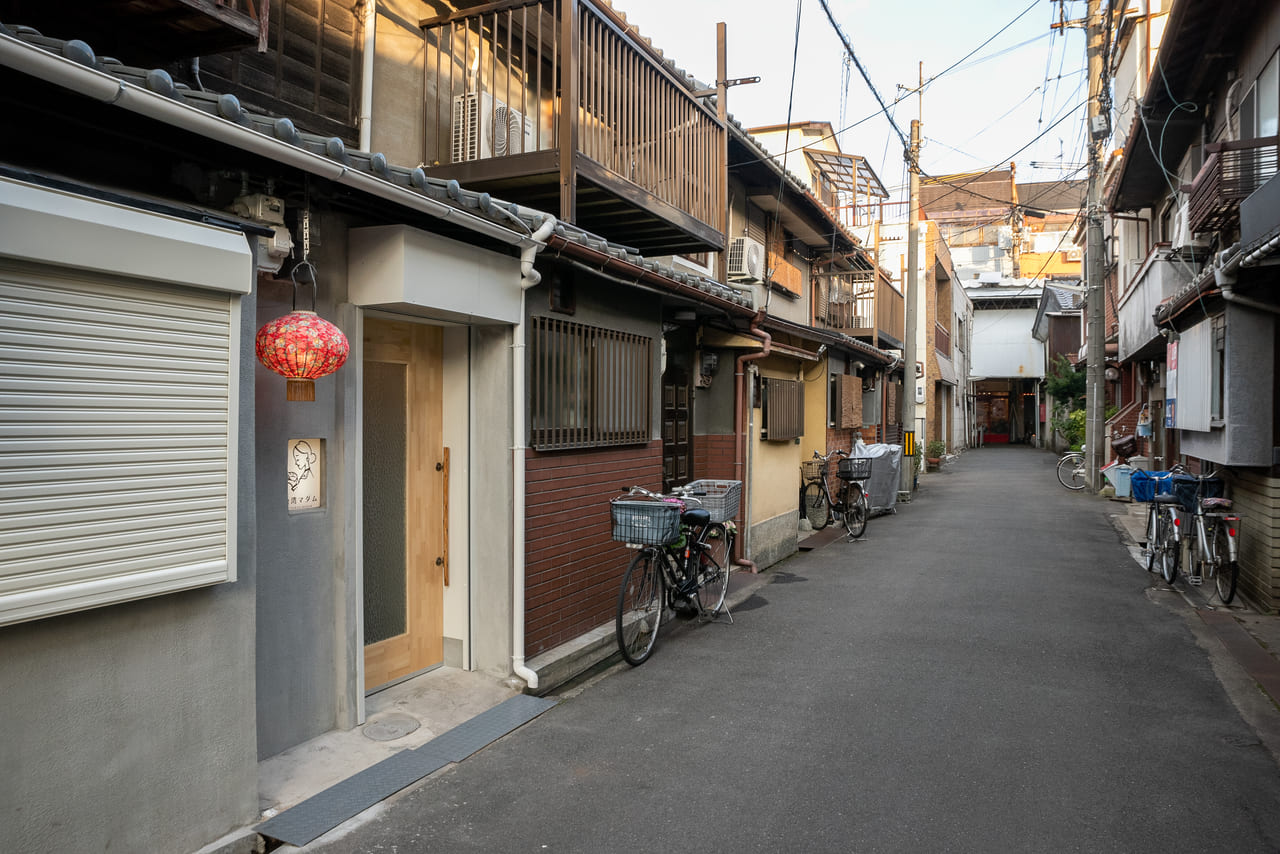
x=303 y=588
x=131 y=727
x=490 y=484
x=1244 y=437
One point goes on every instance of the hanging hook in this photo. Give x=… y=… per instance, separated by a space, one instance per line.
x=293 y=275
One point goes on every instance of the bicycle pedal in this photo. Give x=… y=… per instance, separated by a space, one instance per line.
x=1195 y=580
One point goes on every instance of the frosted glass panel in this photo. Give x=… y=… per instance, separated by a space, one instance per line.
x=384 y=501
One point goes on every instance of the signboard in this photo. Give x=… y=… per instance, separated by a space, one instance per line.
x=304 y=470
x=1171 y=384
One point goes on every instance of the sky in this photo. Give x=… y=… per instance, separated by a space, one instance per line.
x=989 y=110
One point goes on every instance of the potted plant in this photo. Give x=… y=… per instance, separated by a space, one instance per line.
x=933 y=453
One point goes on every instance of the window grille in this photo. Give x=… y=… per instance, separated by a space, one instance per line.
x=782 y=402
x=589 y=387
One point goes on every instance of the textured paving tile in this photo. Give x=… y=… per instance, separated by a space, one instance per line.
x=321 y=813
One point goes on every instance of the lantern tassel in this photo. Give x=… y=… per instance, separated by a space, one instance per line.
x=301 y=390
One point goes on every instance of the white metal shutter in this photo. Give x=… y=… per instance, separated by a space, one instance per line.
x=117 y=442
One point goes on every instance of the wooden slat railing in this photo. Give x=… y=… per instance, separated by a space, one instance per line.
x=1230 y=174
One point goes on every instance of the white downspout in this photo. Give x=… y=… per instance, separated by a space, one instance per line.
x=528 y=278
x=366 y=74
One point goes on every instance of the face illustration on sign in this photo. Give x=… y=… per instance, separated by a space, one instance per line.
x=304 y=473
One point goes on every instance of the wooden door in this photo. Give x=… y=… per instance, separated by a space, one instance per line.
x=404 y=501
x=677 y=460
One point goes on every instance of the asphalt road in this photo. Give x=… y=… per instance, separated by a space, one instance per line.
x=988 y=671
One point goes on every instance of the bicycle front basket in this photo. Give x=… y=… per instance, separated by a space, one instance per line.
x=649 y=523
x=854 y=468
x=811 y=469
x=721 y=499
x=1184 y=488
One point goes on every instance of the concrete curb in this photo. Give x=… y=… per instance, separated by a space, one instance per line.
x=558 y=666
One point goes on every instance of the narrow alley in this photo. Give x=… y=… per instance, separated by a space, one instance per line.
x=989 y=670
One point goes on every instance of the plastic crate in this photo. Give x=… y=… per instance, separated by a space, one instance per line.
x=1184 y=488
x=721 y=499
x=649 y=523
x=854 y=468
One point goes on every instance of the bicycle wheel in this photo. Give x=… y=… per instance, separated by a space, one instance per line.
x=640 y=606
x=1071 y=472
x=1153 y=551
x=1225 y=571
x=1168 y=546
x=855 y=517
x=816 y=509
x=716 y=564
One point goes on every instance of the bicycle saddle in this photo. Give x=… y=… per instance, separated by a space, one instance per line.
x=1215 y=503
x=1165 y=498
x=696 y=516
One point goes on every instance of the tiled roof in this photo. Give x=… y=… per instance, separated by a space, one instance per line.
x=519 y=220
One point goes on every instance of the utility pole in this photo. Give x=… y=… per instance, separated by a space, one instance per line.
x=911 y=295
x=1099 y=120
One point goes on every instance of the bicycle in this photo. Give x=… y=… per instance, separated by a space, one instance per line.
x=1213 y=547
x=1161 y=547
x=850 y=502
x=683 y=561
x=1071 y=470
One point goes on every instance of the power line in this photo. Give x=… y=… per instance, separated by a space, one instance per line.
x=866 y=77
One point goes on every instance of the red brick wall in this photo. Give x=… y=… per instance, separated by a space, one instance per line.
x=713 y=457
x=573 y=568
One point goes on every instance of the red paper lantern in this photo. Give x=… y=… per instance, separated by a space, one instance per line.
x=302 y=347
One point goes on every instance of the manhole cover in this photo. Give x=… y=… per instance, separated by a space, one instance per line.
x=391 y=726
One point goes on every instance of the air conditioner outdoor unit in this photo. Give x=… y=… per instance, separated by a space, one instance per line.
x=746 y=260
x=1183 y=238
x=484 y=126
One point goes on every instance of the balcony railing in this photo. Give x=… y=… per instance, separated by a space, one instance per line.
x=941 y=339
x=859 y=304
x=784 y=274
x=1161 y=276
x=1230 y=174
x=498 y=80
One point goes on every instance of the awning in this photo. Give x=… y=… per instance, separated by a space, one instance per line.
x=946 y=371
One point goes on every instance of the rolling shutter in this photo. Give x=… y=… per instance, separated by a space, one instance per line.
x=117 y=442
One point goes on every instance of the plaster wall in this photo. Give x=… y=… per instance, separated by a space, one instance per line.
x=1003 y=346
x=131 y=727
x=489 y=484
x=1244 y=437
x=775 y=484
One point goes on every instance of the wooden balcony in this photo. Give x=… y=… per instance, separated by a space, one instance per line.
x=152 y=32
x=942 y=339
x=784 y=274
x=554 y=104
x=1230 y=174
x=861 y=304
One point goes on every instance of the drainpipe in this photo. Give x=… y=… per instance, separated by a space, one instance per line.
x=743 y=400
x=1225 y=271
x=528 y=278
x=366 y=74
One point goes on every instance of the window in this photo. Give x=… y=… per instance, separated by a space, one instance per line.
x=1217 y=374
x=589 y=387
x=782 y=404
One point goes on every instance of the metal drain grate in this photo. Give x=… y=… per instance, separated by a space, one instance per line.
x=321 y=813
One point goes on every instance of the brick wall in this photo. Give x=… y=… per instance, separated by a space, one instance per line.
x=713 y=457
x=573 y=568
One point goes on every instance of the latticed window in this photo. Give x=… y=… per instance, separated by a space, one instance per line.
x=589 y=387
x=782 y=402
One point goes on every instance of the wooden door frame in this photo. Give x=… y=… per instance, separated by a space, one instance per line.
x=404 y=655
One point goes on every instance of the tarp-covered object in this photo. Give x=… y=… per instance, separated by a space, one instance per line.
x=882 y=487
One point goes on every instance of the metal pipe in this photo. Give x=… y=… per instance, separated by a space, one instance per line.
x=528 y=278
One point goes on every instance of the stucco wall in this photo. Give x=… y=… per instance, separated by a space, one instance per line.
x=490 y=482
x=302 y=626
x=131 y=727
